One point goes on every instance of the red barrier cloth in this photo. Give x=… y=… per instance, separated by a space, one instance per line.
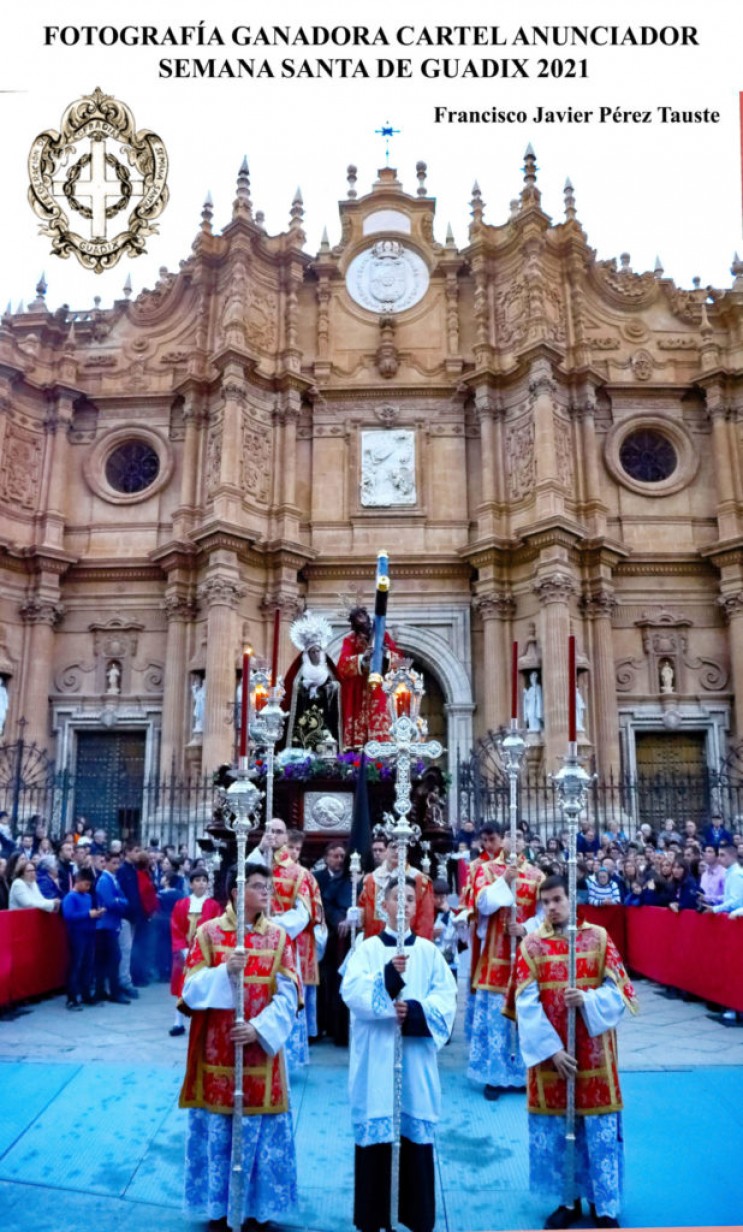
x=33 y=954
x=700 y=954
x=612 y=918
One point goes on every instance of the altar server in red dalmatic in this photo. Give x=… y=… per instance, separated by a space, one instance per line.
x=271 y=981
x=540 y=997
x=188 y=914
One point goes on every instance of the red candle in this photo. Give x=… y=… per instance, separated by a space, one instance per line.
x=515 y=680
x=275 y=650
x=572 y=685
x=244 y=703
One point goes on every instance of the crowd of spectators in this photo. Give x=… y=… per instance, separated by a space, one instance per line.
x=116 y=899
x=681 y=866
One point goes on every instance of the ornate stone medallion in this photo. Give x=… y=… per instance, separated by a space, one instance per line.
x=388 y=277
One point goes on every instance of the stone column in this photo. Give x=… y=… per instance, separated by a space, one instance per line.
x=41 y=615
x=550 y=494
x=59 y=472
x=732 y=606
x=228 y=496
x=722 y=447
x=179 y=612
x=599 y=606
x=289 y=606
x=555 y=590
x=221 y=592
x=488 y=415
x=194 y=418
x=287 y=416
x=496 y=611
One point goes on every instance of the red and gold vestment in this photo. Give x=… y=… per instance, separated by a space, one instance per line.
x=371 y=899
x=210 y=1074
x=183 y=925
x=293 y=884
x=491 y=958
x=543 y=959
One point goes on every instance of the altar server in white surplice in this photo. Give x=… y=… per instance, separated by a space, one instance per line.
x=381 y=989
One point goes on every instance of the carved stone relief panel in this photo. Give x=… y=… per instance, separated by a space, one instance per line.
x=213 y=456
x=255 y=466
x=21 y=467
x=564 y=452
x=388 y=468
x=520 y=461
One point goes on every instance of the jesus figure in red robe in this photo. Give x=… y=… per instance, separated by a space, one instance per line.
x=364 y=709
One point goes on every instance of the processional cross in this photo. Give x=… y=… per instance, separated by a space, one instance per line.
x=404 y=689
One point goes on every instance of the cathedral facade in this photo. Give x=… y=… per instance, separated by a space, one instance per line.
x=544 y=441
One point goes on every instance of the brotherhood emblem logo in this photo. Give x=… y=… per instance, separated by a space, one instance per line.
x=97 y=184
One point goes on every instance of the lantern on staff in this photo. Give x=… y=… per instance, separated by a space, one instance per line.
x=404 y=689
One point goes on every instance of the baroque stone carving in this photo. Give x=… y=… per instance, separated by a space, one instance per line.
x=521 y=465
x=388 y=277
x=116 y=639
x=21 y=468
x=262 y=328
x=732 y=605
x=527 y=304
x=625 y=671
x=502 y=606
x=554 y=588
x=388 y=468
x=388 y=415
x=41 y=612
x=642 y=365
x=213 y=456
x=564 y=453
x=255 y=464
x=387 y=356
x=178 y=608
x=221 y=590
x=599 y=603
x=290 y=605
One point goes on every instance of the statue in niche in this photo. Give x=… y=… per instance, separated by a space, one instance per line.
x=113 y=678
x=198 y=689
x=533 y=704
x=4 y=703
x=666 y=677
x=580 y=711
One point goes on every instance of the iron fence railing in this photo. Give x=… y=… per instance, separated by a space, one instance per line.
x=483 y=796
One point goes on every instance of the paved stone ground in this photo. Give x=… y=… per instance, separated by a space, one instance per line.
x=90 y=1133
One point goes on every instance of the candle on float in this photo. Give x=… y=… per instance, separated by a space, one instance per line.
x=275 y=648
x=261 y=697
x=515 y=681
x=402 y=700
x=245 y=703
x=572 y=685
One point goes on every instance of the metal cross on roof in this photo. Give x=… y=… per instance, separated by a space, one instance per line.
x=387 y=131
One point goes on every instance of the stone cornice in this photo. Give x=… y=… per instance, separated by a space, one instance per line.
x=112 y=571
x=688 y=566
x=364 y=570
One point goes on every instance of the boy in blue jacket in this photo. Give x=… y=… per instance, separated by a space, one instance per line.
x=80 y=919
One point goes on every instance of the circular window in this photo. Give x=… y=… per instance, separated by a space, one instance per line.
x=652 y=454
x=128 y=465
x=132 y=467
x=648 y=456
